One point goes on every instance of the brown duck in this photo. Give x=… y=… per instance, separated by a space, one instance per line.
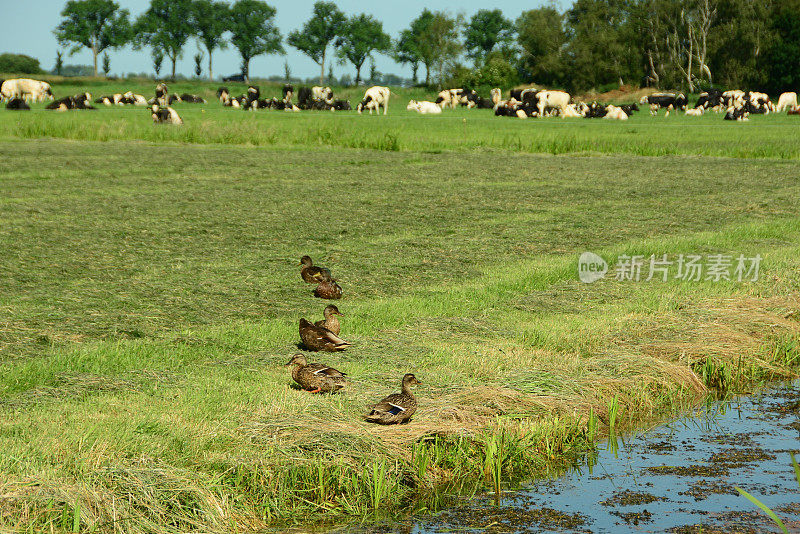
x=320 y=338
x=316 y=377
x=311 y=273
x=397 y=407
x=328 y=288
x=331 y=322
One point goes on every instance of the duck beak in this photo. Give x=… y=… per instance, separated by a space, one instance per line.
x=339 y=313
x=289 y=363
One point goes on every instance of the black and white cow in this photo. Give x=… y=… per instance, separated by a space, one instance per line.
x=17 y=104
x=736 y=114
x=192 y=99
x=80 y=101
x=669 y=101
x=288 y=92
x=162 y=94
x=165 y=115
x=375 y=97
x=223 y=95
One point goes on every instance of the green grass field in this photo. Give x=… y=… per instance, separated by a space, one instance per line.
x=150 y=295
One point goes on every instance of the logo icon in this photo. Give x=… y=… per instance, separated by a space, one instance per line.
x=591 y=267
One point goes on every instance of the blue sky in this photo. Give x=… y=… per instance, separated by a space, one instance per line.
x=27 y=27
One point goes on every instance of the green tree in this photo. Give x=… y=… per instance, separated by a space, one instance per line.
x=165 y=25
x=405 y=52
x=93 y=24
x=59 y=62
x=254 y=31
x=598 y=52
x=783 y=66
x=318 y=32
x=158 y=60
x=360 y=36
x=739 y=40
x=198 y=64
x=541 y=37
x=486 y=30
x=19 y=64
x=106 y=65
x=209 y=22
x=436 y=41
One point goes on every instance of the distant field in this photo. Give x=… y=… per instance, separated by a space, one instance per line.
x=150 y=295
x=772 y=136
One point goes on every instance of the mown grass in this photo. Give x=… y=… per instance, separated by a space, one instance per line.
x=150 y=295
x=771 y=136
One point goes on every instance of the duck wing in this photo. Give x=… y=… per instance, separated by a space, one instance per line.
x=323 y=370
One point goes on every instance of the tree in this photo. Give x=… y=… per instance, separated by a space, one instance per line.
x=406 y=52
x=158 y=59
x=106 y=64
x=254 y=32
x=210 y=22
x=487 y=29
x=287 y=71
x=782 y=65
x=598 y=51
x=93 y=24
x=19 y=64
x=318 y=32
x=59 y=62
x=166 y=26
x=435 y=37
x=541 y=37
x=198 y=64
x=360 y=36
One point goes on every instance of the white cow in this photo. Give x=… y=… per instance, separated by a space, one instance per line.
x=695 y=112
x=615 y=113
x=26 y=89
x=138 y=100
x=424 y=107
x=552 y=99
x=497 y=95
x=322 y=93
x=787 y=101
x=375 y=97
x=573 y=111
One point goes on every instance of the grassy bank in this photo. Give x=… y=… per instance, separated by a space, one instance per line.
x=771 y=136
x=150 y=297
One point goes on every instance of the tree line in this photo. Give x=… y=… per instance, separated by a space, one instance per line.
x=595 y=44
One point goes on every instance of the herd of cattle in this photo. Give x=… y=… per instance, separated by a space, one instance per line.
x=522 y=103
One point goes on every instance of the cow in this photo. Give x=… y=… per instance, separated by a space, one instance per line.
x=80 y=101
x=322 y=93
x=695 y=112
x=496 y=95
x=709 y=99
x=223 y=95
x=615 y=113
x=17 y=104
x=424 y=107
x=162 y=95
x=27 y=89
x=165 y=115
x=573 y=111
x=786 y=101
x=135 y=99
x=794 y=111
x=551 y=100
x=595 y=111
x=375 y=97
x=629 y=108
x=669 y=101
x=192 y=99
x=288 y=91
x=736 y=114
x=519 y=94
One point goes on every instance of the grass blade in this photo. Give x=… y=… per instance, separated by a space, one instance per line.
x=764 y=508
x=796 y=468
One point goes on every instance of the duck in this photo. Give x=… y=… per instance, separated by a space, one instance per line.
x=316 y=377
x=320 y=338
x=397 y=408
x=331 y=322
x=311 y=273
x=328 y=288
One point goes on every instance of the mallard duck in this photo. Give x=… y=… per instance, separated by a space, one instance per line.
x=328 y=288
x=311 y=273
x=316 y=377
x=320 y=338
x=331 y=322
x=397 y=407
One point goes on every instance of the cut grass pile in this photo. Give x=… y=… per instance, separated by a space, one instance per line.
x=150 y=296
